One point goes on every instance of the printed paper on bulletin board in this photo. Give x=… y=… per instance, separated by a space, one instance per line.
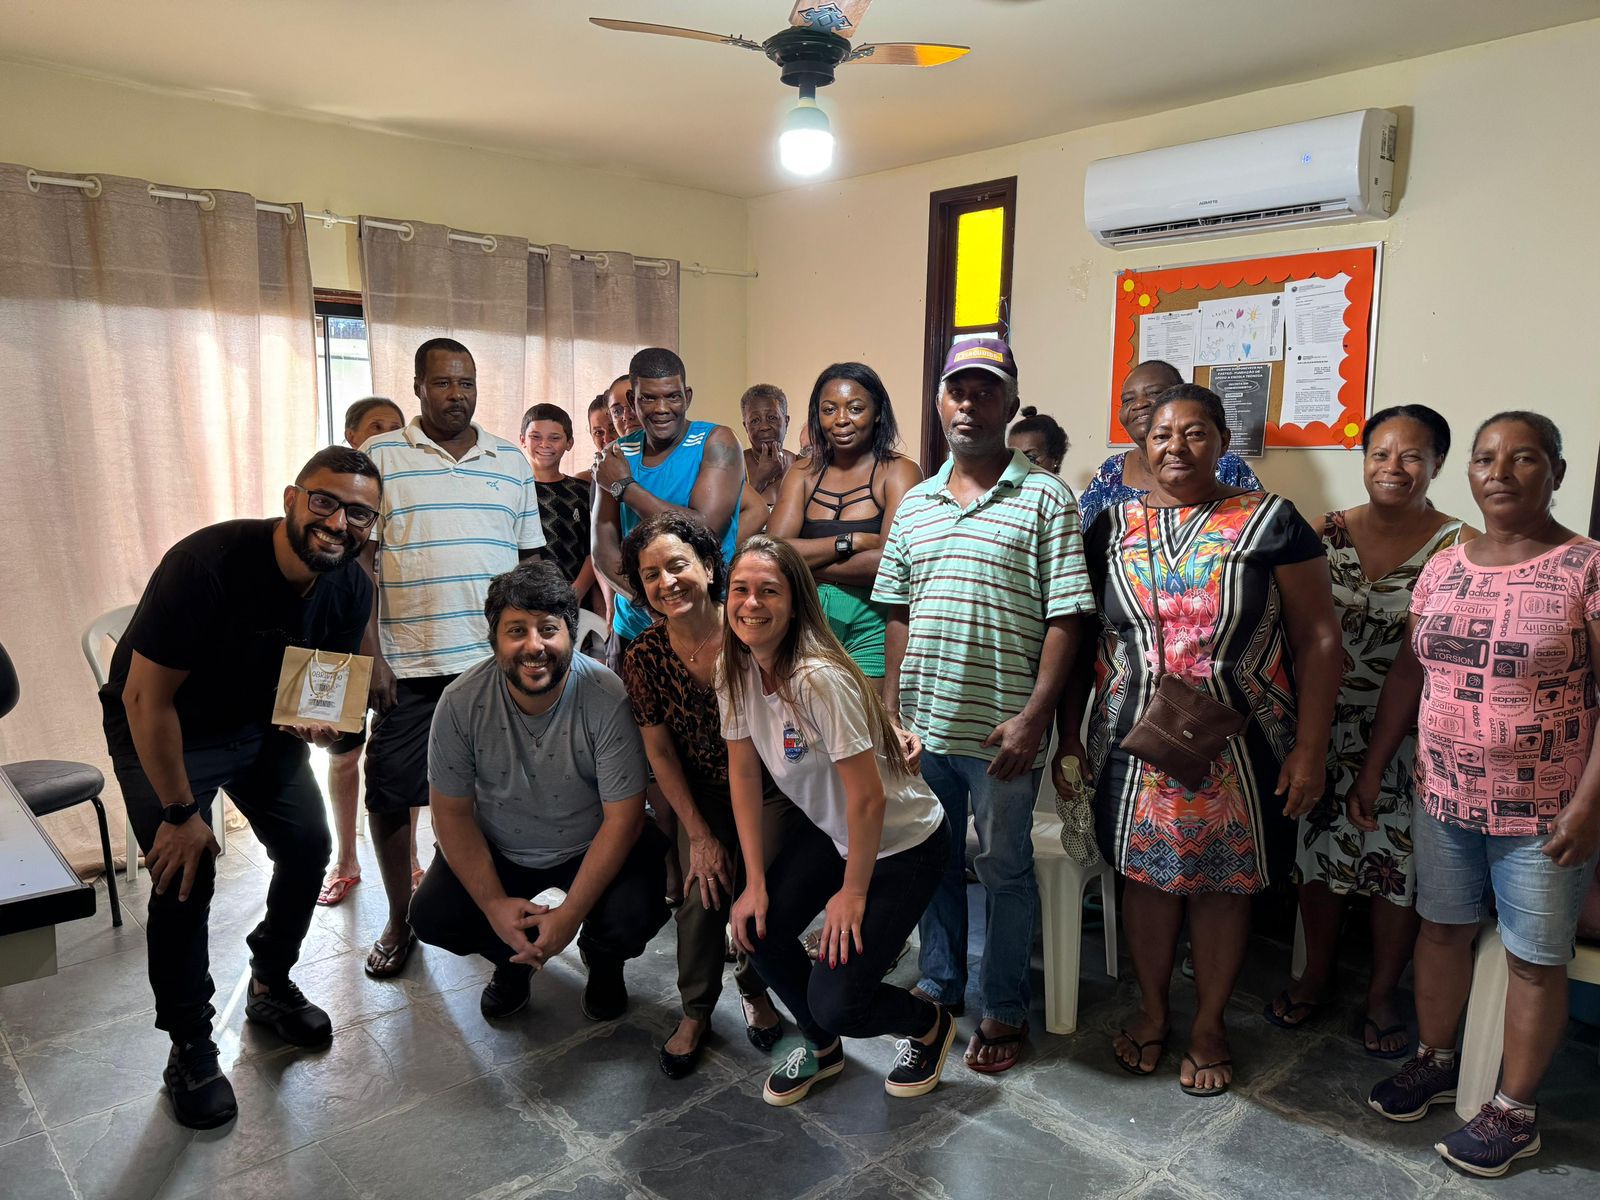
x=1312 y=315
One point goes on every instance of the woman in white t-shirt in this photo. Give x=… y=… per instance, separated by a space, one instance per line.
x=871 y=852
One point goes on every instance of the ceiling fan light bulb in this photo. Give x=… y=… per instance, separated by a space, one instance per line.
x=805 y=147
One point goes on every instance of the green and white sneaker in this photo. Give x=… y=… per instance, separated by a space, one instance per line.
x=800 y=1065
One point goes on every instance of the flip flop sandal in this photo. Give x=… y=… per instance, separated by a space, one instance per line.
x=1290 y=1007
x=1004 y=1039
x=1139 y=1067
x=1190 y=1089
x=336 y=889
x=384 y=962
x=1378 y=1035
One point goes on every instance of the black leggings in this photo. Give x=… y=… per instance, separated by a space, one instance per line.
x=851 y=999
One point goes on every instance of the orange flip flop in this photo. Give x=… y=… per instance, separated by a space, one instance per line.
x=336 y=889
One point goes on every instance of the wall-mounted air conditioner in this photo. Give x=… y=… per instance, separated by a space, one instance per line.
x=1320 y=172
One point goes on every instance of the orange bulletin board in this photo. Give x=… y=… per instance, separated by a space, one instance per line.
x=1260 y=280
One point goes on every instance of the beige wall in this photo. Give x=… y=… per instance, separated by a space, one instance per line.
x=1495 y=244
x=52 y=120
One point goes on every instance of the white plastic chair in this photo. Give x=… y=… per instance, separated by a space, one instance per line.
x=591 y=624
x=1482 y=1044
x=109 y=627
x=1062 y=883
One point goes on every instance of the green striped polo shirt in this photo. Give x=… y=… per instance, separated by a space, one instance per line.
x=980 y=583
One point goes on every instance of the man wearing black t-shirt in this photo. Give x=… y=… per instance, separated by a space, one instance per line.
x=188 y=710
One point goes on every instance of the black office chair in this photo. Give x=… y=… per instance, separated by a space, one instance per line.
x=49 y=785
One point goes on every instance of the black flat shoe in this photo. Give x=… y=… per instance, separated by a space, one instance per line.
x=676 y=1066
x=763 y=1038
x=605 y=996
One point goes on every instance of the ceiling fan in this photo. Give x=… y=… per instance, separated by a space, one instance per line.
x=807 y=52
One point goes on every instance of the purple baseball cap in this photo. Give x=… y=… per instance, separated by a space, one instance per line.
x=980 y=354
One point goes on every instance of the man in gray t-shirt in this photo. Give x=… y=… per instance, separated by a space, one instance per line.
x=536 y=776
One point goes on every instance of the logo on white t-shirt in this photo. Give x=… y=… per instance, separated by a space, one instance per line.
x=794 y=743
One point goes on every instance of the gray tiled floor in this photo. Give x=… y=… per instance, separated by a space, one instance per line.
x=418 y=1096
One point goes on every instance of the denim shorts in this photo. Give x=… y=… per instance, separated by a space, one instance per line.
x=1538 y=902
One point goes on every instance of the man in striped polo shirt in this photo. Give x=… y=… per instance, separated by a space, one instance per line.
x=459 y=508
x=985 y=578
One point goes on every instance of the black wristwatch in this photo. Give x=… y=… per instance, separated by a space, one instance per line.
x=843 y=547
x=177 y=814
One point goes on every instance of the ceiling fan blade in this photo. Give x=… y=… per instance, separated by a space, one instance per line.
x=906 y=54
x=842 y=17
x=698 y=35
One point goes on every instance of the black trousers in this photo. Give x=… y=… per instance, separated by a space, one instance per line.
x=620 y=925
x=270 y=781
x=397 y=746
x=850 y=1000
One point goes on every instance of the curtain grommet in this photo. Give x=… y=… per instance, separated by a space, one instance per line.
x=490 y=243
x=409 y=232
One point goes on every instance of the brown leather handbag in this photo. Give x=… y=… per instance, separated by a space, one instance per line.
x=1183 y=731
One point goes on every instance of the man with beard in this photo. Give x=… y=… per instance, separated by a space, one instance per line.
x=536 y=777
x=460 y=508
x=188 y=710
x=987 y=586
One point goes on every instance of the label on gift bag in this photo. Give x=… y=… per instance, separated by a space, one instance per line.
x=322 y=697
x=322 y=687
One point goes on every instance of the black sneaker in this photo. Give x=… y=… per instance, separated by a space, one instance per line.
x=605 y=996
x=1488 y=1144
x=917 y=1069
x=798 y=1069
x=1415 y=1088
x=202 y=1097
x=507 y=991
x=284 y=1009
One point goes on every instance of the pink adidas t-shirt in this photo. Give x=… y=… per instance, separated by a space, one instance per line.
x=1508 y=697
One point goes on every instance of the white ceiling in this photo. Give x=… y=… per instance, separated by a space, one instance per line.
x=534 y=77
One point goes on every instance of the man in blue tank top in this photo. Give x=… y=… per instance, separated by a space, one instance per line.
x=670 y=463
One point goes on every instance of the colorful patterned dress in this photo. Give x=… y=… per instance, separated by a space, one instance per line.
x=1221 y=616
x=1372 y=618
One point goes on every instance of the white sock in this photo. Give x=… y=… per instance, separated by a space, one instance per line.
x=1530 y=1111
x=1445 y=1058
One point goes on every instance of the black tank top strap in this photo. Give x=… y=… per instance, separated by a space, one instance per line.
x=837 y=502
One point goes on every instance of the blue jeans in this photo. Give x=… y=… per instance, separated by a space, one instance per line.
x=1537 y=901
x=1004 y=815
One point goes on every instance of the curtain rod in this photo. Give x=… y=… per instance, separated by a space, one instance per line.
x=90 y=185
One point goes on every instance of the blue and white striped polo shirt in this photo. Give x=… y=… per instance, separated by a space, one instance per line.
x=446 y=528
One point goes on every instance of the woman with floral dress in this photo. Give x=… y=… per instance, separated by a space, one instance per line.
x=1375 y=552
x=1239 y=584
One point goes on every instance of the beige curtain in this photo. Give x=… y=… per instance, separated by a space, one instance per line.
x=160 y=369
x=554 y=330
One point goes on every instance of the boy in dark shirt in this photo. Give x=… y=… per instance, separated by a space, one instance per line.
x=188 y=710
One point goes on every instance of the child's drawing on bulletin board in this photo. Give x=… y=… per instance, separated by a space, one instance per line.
x=1287 y=341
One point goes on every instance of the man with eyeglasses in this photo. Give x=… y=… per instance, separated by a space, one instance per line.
x=188 y=710
x=459 y=507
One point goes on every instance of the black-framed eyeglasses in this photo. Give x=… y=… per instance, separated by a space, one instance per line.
x=325 y=504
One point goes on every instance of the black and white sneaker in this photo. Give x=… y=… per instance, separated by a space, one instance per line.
x=798 y=1068
x=917 y=1069
x=284 y=1009
x=202 y=1097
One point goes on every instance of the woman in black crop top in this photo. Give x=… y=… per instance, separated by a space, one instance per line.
x=836 y=506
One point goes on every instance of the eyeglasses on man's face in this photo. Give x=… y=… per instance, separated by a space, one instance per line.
x=325 y=504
